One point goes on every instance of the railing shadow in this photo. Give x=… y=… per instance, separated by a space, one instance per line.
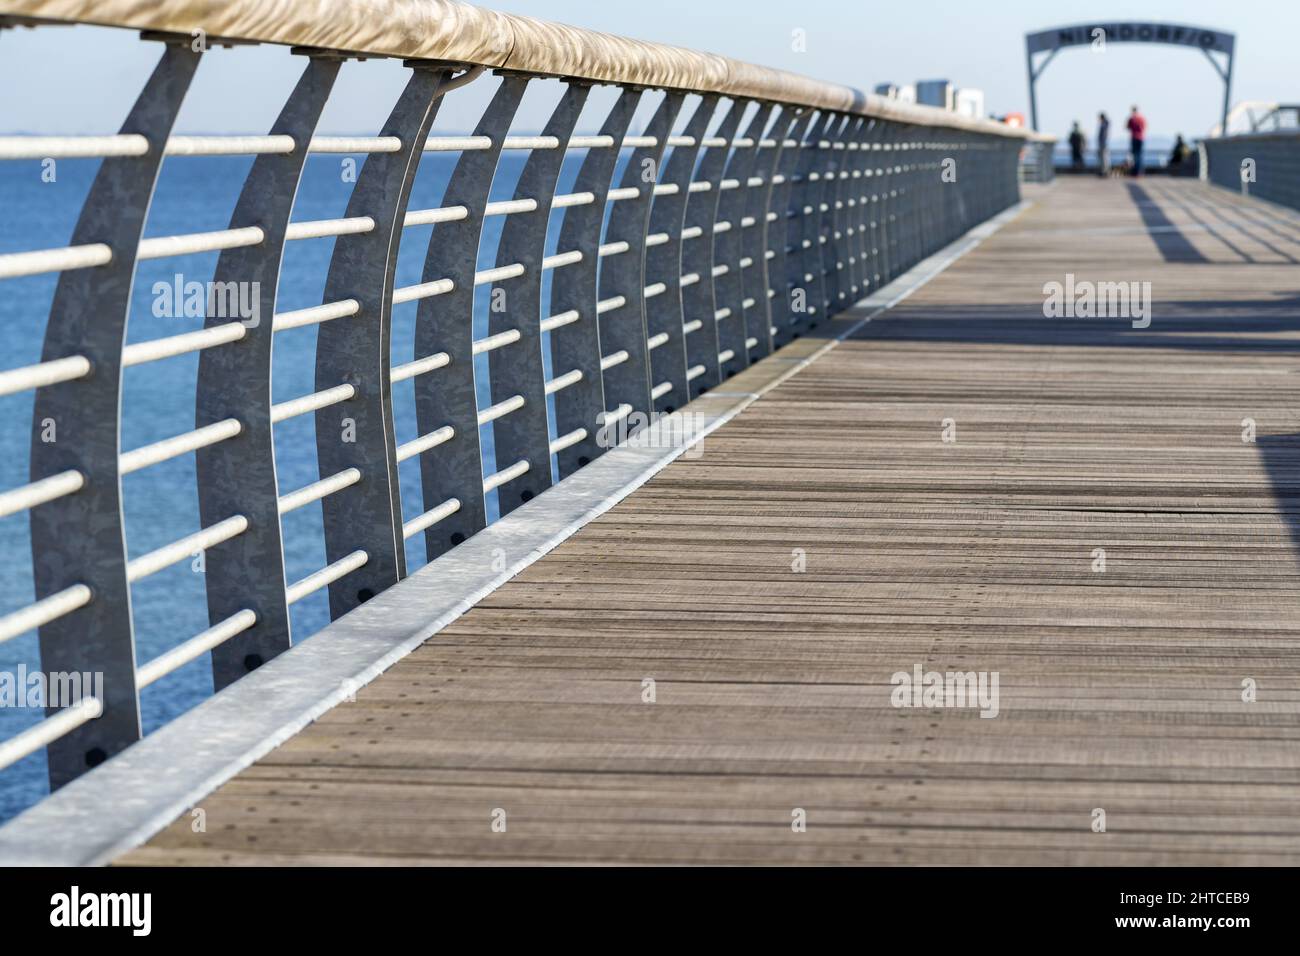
x=1280 y=457
x=1173 y=245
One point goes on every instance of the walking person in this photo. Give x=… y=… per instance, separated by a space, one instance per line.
x=1137 y=134
x=1077 y=146
x=1103 y=145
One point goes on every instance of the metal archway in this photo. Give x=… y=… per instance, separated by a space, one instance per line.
x=1054 y=40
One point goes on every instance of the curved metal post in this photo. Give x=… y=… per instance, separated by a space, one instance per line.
x=728 y=288
x=79 y=538
x=623 y=329
x=445 y=323
x=754 y=274
x=517 y=368
x=237 y=476
x=575 y=345
x=359 y=432
x=778 y=225
x=664 y=316
x=698 y=300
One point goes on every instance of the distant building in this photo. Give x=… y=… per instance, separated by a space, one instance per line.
x=940 y=93
x=904 y=94
x=970 y=102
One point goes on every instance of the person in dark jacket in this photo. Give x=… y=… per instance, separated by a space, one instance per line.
x=1077 y=145
x=1178 y=157
x=1103 y=144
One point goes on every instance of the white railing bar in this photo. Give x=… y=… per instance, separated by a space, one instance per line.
x=319 y=489
x=610 y=304
x=660 y=390
x=562 y=259
x=560 y=319
x=417 y=446
x=569 y=440
x=499 y=274
x=694 y=372
x=401 y=373
x=463 y=144
x=228 y=145
x=530 y=142
x=49 y=730
x=354 y=144
x=157 y=349
x=607 y=362
x=692 y=326
x=325 y=576
x=169 y=448
x=16 y=264
x=654 y=289
x=495 y=341
x=169 y=554
x=613 y=248
x=430 y=517
x=424 y=217
x=493 y=412
x=43 y=611
x=324 y=228
x=38 y=492
x=625 y=192
x=44 y=373
x=591 y=142
x=726 y=355
x=564 y=200
x=563 y=381
x=298 y=318
x=508 y=207
x=165 y=246
x=310 y=403
x=492 y=482
x=422 y=290
x=182 y=654
x=618 y=414
x=72 y=147
x=657 y=340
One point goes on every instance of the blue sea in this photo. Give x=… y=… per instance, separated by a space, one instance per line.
x=197 y=194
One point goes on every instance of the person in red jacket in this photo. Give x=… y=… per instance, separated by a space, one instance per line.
x=1137 y=134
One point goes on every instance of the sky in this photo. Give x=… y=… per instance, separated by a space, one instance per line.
x=83 y=79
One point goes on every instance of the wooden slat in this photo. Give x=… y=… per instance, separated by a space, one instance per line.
x=1119 y=690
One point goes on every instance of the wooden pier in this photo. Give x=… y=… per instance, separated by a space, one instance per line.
x=936 y=490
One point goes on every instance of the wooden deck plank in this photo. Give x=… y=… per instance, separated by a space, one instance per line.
x=1119 y=689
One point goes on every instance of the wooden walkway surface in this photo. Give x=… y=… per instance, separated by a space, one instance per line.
x=1119 y=689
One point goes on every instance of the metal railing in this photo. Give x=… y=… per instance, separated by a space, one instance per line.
x=775 y=202
x=1036 y=162
x=1263 y=165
